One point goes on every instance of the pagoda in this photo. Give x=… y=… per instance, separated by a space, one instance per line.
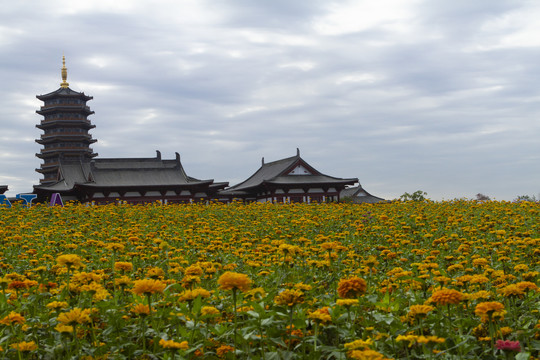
x=65 y=124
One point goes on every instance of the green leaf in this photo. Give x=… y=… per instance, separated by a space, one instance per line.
x=523 y=356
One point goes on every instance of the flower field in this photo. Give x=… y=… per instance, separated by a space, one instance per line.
x=405 y=280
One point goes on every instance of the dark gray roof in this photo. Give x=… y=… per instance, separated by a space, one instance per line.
x=277 y=172
x=64 y=92
x=359 y=195
x=119 y=172
x=3 y=188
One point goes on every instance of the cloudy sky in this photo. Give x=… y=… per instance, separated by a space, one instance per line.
x=441 y=96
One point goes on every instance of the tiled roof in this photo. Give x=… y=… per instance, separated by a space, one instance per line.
x=123 y=172
x=277 y=172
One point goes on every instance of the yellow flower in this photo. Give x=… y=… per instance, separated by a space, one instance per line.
x=359 y=344
x=190 y=295
x=527 y=285
x=419 y=339
x=231 y=281
x=122 y=281
x=148 y=287
x=69 y=261
x=24 y=346
x=446 y=297
x=115 y=247
x=209 y=311
x=64 y=329
x=123 y=266
x=155 y=272
x=321 y=316
x=57 y=305
x=347 y=302
x=366 y=355
x=140 y=310
x=194 y=270
x=512 y=290
x=417 y=312
x=255 y=294
x=352 y=287
x=75 y=316
x=173 y=345
x=289 y=297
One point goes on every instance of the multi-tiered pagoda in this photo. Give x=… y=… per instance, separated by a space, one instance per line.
x=65 y=124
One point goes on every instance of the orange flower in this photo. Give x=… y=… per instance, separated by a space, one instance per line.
x=446 y=297
x=351 y=287
x=231 y=280
x=24 y=346
x=223 y=350
x=13 y=318
x=148 y=286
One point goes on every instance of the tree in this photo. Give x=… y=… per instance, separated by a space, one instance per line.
x=521 y=198
x=482 y=197
x=418 y=195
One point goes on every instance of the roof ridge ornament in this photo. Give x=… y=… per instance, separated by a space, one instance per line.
x=297 y=152
x=64 y=83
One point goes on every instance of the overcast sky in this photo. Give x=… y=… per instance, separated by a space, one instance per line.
x=434 y=95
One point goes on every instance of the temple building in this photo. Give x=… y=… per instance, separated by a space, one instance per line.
x=288 y=180
x=70 y=166
x=72 y=169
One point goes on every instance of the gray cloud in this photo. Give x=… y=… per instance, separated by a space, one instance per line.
x=409 y=95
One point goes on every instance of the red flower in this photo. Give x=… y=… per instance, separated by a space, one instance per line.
x=508 y=345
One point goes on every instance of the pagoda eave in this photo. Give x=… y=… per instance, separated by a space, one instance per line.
x=66 y=153
x=62 y=109
x=47 y=124
x=75 y=139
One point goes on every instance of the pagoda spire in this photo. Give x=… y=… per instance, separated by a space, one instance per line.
x=64 y=83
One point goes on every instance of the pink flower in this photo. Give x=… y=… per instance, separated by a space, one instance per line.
x=508 y=345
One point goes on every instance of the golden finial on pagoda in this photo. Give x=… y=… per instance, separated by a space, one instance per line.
x=64 y=83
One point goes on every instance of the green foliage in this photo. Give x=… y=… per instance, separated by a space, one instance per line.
x=418 y=195
x=521 y=198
